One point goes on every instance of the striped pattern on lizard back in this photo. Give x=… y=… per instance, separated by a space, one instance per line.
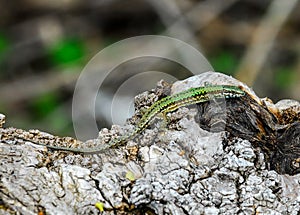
x=164 y=106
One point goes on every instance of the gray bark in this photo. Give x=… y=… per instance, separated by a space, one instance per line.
x=178 y=169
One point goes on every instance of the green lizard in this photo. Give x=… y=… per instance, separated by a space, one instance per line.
x=163 y=106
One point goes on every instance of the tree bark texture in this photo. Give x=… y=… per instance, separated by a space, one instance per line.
x=235 y=156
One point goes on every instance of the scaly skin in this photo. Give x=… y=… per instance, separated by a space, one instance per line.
x=163 y=106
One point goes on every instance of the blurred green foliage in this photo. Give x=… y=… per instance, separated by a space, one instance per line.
x=224 y=61
x=60 y=122
x=284 y=77
x=4 y=43
x=46 y=109
x=67 y=52
x=44 y=104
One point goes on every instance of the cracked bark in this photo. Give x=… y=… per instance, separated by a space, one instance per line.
x=198 y=165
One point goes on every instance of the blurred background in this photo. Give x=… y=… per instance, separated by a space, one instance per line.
x=44 y=46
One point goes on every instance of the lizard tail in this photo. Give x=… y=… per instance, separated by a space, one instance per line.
x=92 y=150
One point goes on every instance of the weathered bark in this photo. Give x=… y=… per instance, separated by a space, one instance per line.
x=264 y=127
x=182 y=169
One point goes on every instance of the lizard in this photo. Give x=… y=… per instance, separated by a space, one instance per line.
x=162 y=106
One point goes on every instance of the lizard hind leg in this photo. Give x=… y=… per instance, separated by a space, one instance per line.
x=165 y=122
